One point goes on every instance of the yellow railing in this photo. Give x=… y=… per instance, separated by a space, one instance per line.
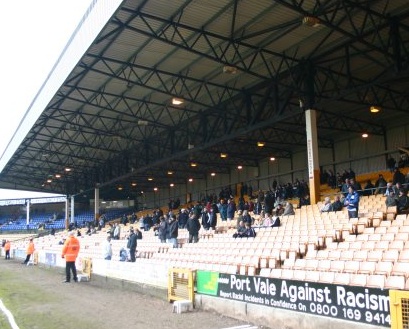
x=181 y=284
x=399 y=305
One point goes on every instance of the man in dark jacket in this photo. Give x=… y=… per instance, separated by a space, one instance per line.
x=132 y=244
x=402 y=202
x=182 y=220
x=172 y=236
x=193 y=227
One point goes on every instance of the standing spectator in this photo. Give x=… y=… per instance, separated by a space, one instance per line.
x=222 y=210
x=390 y=163
x=398 y=177
x=117 y=231
x=213 y=218
x=183 y=217
x=205 y=218
x=193 y=227
x=107 y=248
x=352 y=202
x=162 y=229
x=231 y=209
x=30 y=251
x=7 y=247
x=172 y=235
x=70 y=252
x=345 y=186
x=269 y=202
x=132 y=243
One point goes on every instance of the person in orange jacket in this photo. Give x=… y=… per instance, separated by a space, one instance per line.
x=7 y=247
x=70 y=252
x=30 y=251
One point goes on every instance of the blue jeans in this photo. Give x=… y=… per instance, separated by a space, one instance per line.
x=173 y=241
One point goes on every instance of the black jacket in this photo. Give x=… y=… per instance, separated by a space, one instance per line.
x=193 y=225
x=132 y=243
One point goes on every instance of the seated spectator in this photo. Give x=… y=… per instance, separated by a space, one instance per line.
x=275 y=220
x=258 y=222
x=248 y=232
x=267 y=220
x=246 y=217
x=123 y=255
x=369 y=188
x=279 y=210
x=289 y=209
x=327 y=206
x=391 y=199
x=402 y=202
x=337 y=205
x=389 y=188
x=380 y=185
x=305 y=201
x=240 y=229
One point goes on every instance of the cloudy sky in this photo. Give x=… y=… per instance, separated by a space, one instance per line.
x=33 y=34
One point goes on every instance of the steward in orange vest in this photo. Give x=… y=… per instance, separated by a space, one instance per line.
x=7 y=248
x=70 y=252
x=30 y=251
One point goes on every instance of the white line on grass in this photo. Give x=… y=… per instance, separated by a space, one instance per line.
x=10 y=316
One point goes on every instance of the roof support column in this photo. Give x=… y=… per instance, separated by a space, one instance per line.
x=28 y=211
x=312 y=136
x=312 y=153
x=96 y=204
x=72 y=220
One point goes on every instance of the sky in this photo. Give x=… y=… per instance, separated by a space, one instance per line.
x=32 y=35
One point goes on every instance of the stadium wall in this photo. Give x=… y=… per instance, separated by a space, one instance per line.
x=147 y=274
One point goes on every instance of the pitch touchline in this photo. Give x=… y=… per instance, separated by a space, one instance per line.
x=10 y=316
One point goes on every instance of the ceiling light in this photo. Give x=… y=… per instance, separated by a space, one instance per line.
x=171 y=184
x=272 y=159
x=239 y=167
x=67 y=169
x=150 y=179
x=120 y=188
x=229 y=69
x=190 y=179
x=177 y=101
x=143 y=122
x=57 y=176
x=133 y=184
x=170 y=172
x=365 y=135
x=193 y=164
x=223 y=155
x=375 y=109
x=155 y=189
x=260 y=144
x=311 y=21
x=213 y=174
x=49 y=180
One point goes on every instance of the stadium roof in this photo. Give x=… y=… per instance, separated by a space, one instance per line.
x=244 y=72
